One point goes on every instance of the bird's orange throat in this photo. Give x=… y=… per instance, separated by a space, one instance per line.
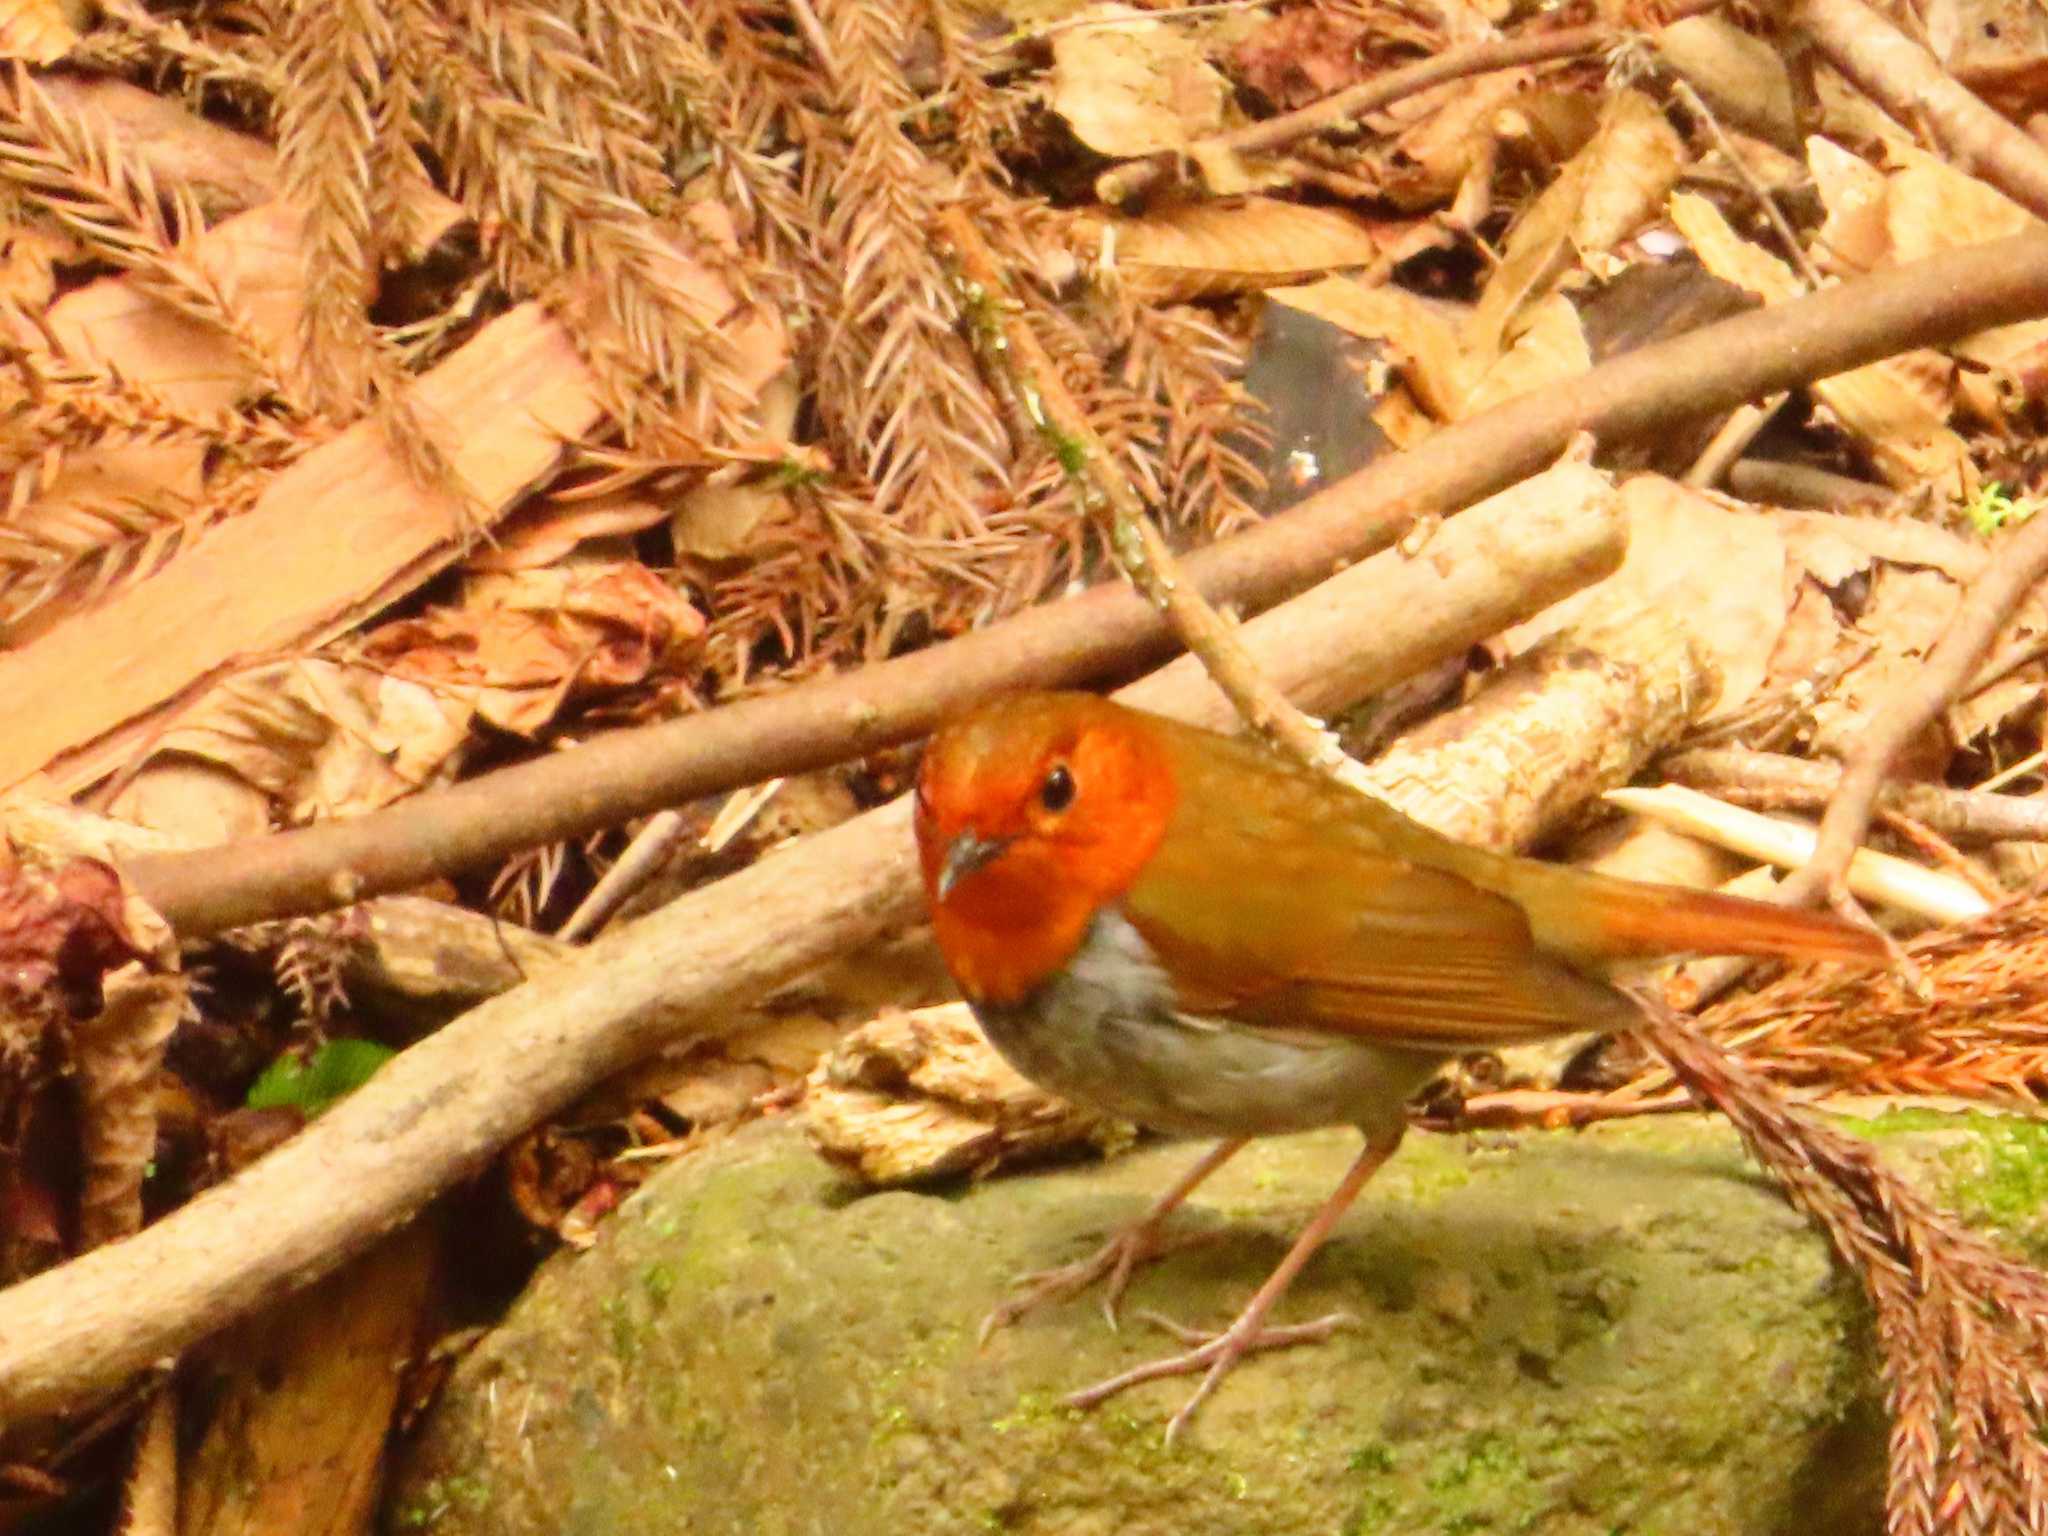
x=1012 y=927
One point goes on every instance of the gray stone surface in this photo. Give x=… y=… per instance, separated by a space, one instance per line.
x=1621 y=1330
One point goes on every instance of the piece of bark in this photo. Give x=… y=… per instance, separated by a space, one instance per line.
x=918 y=1095
x=335 y=537
x=431 y=1116
x=1575 y=716
x=296 y=1437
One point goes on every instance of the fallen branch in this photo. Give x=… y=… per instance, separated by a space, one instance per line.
x=1770 y=781
x=1107 y=630
x=1909 y=83
x=431 y=1117
x=1880 y=877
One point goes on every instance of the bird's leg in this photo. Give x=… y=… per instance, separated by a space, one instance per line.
x=1127 y=1248
x=1217 y=1353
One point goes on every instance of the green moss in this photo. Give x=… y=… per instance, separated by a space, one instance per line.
x=1994 y=1167
x=1372 y=1459
x=625 y=1334
x=659 y=1282
x=441 y=1496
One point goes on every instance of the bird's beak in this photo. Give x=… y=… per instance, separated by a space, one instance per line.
x=964 y=855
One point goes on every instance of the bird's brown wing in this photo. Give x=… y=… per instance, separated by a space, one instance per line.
x=1314 y=934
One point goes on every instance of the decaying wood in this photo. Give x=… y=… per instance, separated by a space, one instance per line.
x=918 y=1095
x=1577 y=715
x=1108 y=629
x=301 y=1410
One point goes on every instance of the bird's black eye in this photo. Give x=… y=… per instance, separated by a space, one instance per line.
x=1057 y=792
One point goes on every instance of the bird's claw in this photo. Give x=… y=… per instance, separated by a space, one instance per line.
x=1214 y=1354
x=1116 y=1261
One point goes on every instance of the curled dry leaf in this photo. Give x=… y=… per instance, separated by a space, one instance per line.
x=522 y=643
x=62 y=929
x=1547 y=346
x=1743 y=78
x=1421 y=339
x=1206 y=249
x=1303 y=54
x=322 y=737
x=1131 y=86
x=544 y=534
x=1603 y=195
x=1921 y=206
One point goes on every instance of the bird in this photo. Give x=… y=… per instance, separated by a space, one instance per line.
x=1186 y=930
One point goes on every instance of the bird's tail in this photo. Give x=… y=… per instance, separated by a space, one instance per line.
x=1604 y=918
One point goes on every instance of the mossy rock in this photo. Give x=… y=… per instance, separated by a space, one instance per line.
x=1618 y=1330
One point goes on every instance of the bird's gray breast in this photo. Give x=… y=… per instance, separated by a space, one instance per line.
x=1108 y=1032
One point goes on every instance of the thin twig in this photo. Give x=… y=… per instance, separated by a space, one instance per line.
x=1759 y=193
x=1346 y=106
x=1987 y=604
x=1109 y=497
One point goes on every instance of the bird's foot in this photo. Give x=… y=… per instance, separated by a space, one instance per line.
x=1116 y=1261
x=1215 y=1354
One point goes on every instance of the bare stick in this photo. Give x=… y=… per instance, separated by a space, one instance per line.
x=1908 y=82
x=1107 y=630
x=1769 y=781
x=1986 y=606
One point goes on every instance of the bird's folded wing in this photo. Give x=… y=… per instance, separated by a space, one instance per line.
x=1303 y=934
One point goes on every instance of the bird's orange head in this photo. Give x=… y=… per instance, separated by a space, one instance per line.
x=1034 y=812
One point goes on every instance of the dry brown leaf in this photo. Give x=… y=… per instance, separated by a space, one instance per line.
x=1896 y=409
x=1548 y=347
x=1854 y=237
x=41 y=31
x=117 y=325
x=544 y=534
x=28 y=263
x=1603 y=195
x=1905 y=612
x=1442 y=132
x=521 y=644
x=1742 y=78
x=1423 y=342
x=1130 y=86
x=1833 y=547
x=323 y=738
x=1923 y=207
x=1203 y=249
